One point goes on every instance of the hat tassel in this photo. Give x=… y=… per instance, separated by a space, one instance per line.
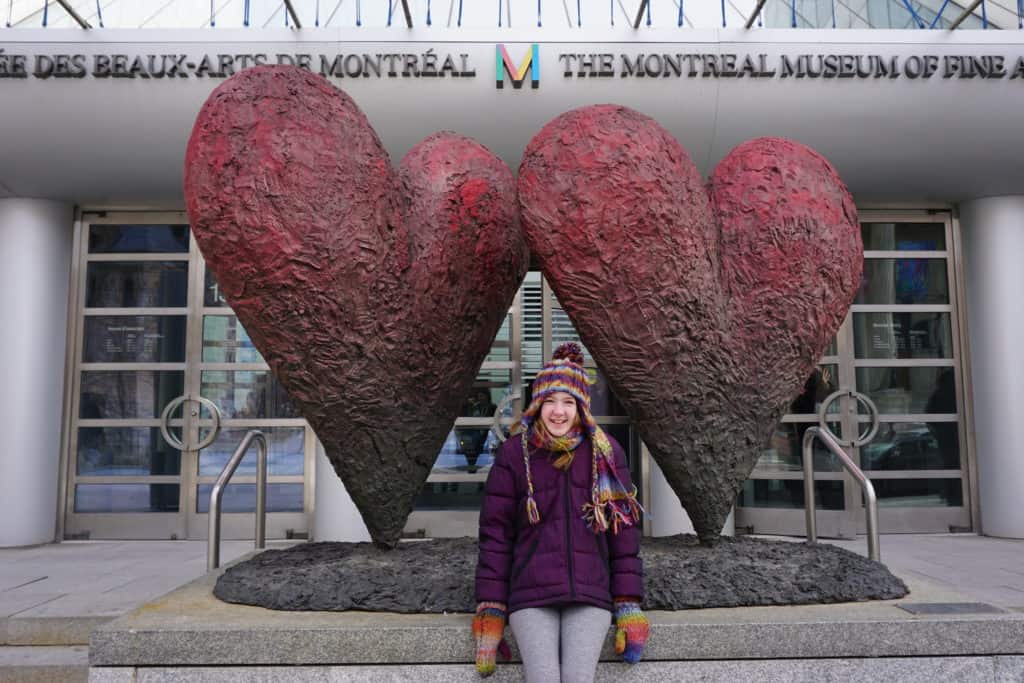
x=532 y=513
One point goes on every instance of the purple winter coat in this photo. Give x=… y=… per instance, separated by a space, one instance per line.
x=560 y=560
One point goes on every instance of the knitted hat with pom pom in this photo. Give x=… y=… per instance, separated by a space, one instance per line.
x=611 y=505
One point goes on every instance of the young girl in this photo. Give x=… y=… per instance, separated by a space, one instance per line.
x=559 y=537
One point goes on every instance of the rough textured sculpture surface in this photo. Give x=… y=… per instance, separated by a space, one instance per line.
x=706 y=306
x=373 y=295
x=436 y=575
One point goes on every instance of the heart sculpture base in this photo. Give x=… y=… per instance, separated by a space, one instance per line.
x=436 y=576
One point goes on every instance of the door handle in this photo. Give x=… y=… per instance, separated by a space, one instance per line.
x=864 y=400
x=165 y=419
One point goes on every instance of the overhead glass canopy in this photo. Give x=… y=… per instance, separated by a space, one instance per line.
x=581 y=14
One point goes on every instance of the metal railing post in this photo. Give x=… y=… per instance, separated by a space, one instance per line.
x=870 y=500
x=213 y=539
x=809 y=505
x=261 y=493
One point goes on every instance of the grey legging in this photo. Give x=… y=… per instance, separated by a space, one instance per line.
x=560 y=645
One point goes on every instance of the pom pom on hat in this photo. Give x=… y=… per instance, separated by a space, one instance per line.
x=570 y=351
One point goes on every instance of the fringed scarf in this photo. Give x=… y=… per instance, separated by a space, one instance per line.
x=563 y=446
x=611 y=504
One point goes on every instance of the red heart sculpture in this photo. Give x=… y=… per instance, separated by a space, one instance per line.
x=706 y=308
x=374 y=296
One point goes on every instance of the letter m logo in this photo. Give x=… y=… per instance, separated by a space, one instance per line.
x=505 y=65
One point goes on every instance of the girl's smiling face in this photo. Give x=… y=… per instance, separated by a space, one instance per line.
x=558 y=413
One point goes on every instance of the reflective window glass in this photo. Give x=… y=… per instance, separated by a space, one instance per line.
x=789 y=494
x=902 y=335
x=913 y=446
x=134 y=339
x=823 y=381
x=247 y=394
x=285 y=452
x=242 y=498
x=138 y=239
x=785 y=449
x=909 y=390
x=117 y=394
x=226 y=341
x=832 y=348
x=136 y=284
x=903 y=236
x=532 y=325
x=488 y=390
x=562 y=329
x=453 y=495
x=603 y=401
x=125 y=452
x=919 y=492
x=467 y=449
x=903 y=281
x=501 y=349
x=126 y=497
x=622 y=433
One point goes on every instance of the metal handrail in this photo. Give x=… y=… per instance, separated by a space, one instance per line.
x=870 y=500
x=213 y=540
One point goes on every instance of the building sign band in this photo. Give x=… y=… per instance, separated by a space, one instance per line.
x=434 y=63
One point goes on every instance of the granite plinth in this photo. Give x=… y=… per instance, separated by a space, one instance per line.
x=436 y=576
x=192 y=628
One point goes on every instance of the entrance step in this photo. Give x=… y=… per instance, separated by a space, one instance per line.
x=44 y=664
x=48 y=631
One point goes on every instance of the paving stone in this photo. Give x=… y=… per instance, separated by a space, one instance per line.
x=12 y=603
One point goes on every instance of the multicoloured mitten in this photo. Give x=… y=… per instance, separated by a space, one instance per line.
x=631 y=629
x=488 y=627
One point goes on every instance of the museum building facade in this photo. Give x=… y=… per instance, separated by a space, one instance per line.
x=113 y=325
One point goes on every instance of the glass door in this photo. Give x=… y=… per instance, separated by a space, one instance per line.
x=225 y=367
x=151 y=329
x=899 y=345
x=130 y=350
x=907 y=359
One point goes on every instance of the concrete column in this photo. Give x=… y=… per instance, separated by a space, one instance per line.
x=336 y=517
x=35 y=267
x=666 y=512
x=993 y=237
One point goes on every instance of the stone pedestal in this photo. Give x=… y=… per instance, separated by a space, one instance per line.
x=189 y=635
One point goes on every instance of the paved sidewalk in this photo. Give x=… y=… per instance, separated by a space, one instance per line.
x=981 y=567
x=99 y=578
